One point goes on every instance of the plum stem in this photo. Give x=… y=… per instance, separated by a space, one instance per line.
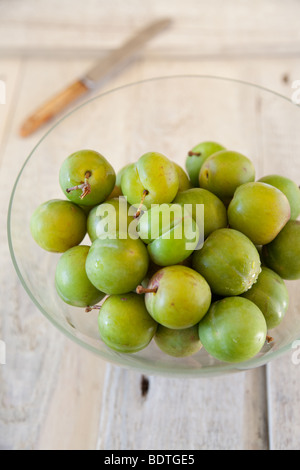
x=144 y=290
x=191 y=153
x=138 y=212
x=85 y=187
x=96 y=307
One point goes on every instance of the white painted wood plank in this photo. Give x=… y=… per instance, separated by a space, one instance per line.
x=222 y=413
x=71 y=418
x=283 y=401
x=200 y=28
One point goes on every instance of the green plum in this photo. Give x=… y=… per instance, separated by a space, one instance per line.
x=58 y=225
x=118 y=265
x=153 y=268
x=178 y=343
x=116 y=192
x=259 y=211
x=228 y=261
x=114 y=211
x=215 y=214
x=234 y=330
x=151 y=180
x=184 y=181
x=171 y=234
x=177 y=297
x=271 y=296
x=289 y=188
x=124 y=323
x=87 y=178
x=71 y=281
x=223 y=172
x=197 y=156
x=282 y=255
x=120 y=174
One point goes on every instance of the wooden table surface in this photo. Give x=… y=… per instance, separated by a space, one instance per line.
x=53 y=393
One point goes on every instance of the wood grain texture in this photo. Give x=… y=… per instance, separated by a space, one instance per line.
x=54 y=394
x=283 y=402
x=202 y=29
x=176 y=414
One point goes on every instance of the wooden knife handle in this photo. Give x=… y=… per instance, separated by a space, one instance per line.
x=50 y=109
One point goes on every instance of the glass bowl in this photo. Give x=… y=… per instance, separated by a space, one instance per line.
x=169 y=115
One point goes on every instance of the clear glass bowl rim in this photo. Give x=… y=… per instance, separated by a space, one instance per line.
x=122 y=361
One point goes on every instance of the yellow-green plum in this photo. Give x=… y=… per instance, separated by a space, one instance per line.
x=282 y=255
x=289 y=188
x=233 y=330
x=58 y=225
x=177 y=297
x=183 y=179
x=271 y=296
x=120 y=174
x=116 y=192
x=124 y=323
x=197 y=156
x=87 y=178
x=260 y=211
x=178 y=343
x=113 y=213
x=117 y=265
x=71 y=281
x=228 y=261
x=214 y=215
x=152 y=179
x=223 y=172
x=171 y=234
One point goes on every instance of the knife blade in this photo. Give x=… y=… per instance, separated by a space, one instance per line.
x=102 y=71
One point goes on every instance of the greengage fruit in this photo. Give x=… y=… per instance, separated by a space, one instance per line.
x=282 y=255
x=112 y=213
x=183 y=179
x=120 y=174
x=223 y=172
x=171 y=234
x=87 y=178
x=197 y=156
x=71 y=281
x=233 y=330
x=228 y=261
x=271 y=296
x=215 y=214
x=116 y=192
x=289 y=188
x=58 y=225
x=152 y=179
x=178 y=343
x=118 y=265
x=260 y=211
x=177 y=297
x=124 y=323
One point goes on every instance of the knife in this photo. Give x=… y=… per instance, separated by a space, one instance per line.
x=109 y=66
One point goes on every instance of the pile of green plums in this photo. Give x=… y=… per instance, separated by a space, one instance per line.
x=135 y=246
